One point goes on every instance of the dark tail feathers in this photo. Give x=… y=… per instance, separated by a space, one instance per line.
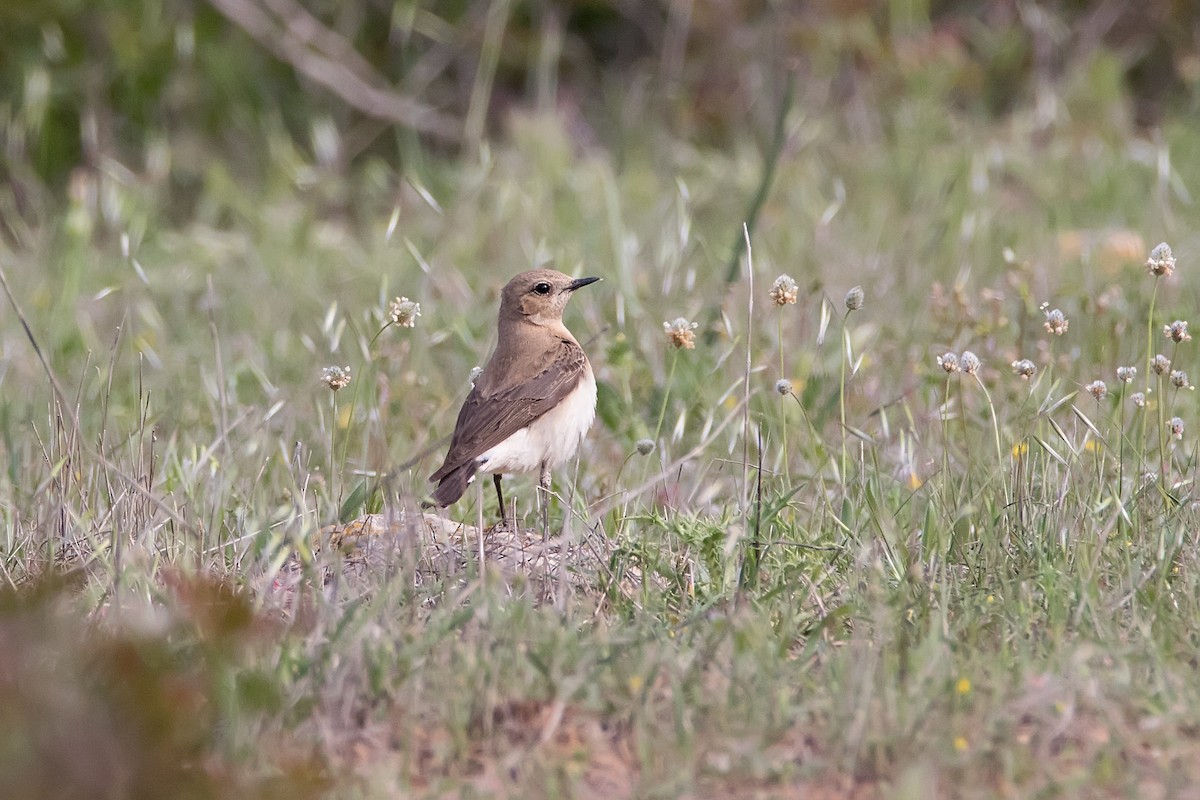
x=452 y=485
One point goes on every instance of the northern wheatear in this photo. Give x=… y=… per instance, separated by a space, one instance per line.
x=534 y=400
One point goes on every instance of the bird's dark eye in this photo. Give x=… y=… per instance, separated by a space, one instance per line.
x=542 y=288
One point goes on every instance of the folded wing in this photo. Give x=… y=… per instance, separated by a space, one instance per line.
x=493 y=413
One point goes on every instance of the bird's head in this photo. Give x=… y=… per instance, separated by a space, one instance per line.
x=539 y=295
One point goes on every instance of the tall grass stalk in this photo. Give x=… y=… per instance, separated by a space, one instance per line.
x=336 y=483
x=947 y=489
x=783 y=428
x=1145 y=444
x=1121 y=450
x=662 y=407
x=749 y=368
x=1000 y=460
x=1161 y=407
x=843 y=467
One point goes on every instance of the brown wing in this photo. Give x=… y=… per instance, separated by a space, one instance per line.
x=486 y=421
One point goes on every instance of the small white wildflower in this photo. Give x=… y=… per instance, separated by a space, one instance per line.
x=1176 y=427
x=644 y=447
x=948 y=362
x=1177 y=331
x=784 y=290
x=681 y=333
x=1138 y=399
x=855 y=298
x=1097 y=389
x=404 y=312
x=1056 y=322
x=336 y=378
x=1024 y=368
x=1126 y=374
x=1161 y=262
x=1160 y=364
x=783 y=386
x=970 y=363
x=1179 y=379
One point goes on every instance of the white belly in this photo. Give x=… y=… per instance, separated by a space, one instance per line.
x=551 y=439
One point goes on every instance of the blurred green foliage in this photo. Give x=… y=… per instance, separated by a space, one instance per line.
x=157 y=89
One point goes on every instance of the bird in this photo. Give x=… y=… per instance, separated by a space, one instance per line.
x=533 y=402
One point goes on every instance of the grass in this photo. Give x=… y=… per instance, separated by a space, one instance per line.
x=989 y=598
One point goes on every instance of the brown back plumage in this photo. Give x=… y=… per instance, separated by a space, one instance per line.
x=536 y=364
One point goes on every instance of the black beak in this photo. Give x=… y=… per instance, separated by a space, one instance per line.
x=579 y=283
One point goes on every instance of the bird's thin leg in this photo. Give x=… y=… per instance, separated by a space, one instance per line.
x=544 y=487
x=500 y=500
